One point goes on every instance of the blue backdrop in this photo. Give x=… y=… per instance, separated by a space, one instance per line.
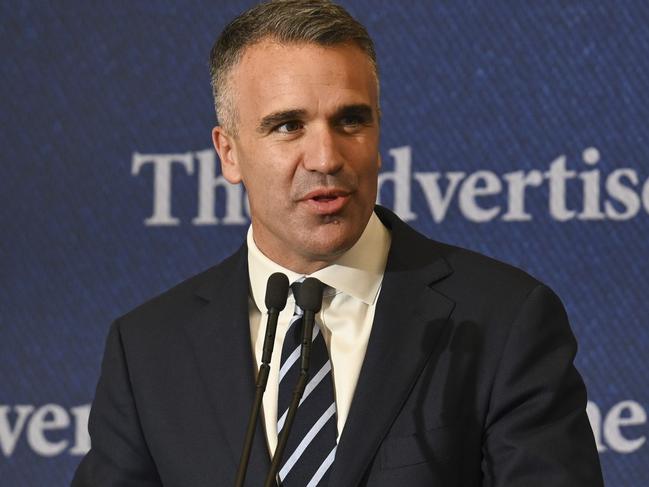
x=518 y=129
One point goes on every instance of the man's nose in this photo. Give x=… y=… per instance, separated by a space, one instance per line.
x=322 y=151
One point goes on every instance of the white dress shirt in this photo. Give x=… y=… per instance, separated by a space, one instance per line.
x=354 y=281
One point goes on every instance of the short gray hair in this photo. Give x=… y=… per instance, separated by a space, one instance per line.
x=319 y=22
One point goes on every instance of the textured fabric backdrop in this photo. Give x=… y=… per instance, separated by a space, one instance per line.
x=518 y=129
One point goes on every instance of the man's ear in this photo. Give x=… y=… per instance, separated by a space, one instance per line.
x=225 y=147
x=380 y=161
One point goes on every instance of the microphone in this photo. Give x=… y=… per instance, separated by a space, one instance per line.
x=276 y=294
x=309 y=298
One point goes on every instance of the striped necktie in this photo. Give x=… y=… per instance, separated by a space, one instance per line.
x=311 y=446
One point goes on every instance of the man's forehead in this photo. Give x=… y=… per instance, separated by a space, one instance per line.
x=315 y=80
x=277 y=69
x=269 y=55
x=269 y=45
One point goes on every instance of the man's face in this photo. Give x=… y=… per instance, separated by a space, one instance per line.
x=306 y=148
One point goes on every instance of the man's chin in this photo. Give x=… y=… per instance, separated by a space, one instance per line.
x=333 y=239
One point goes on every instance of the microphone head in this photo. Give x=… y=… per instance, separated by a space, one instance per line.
x=309 y=297
x=276 y=291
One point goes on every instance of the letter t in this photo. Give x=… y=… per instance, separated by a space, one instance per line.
x=162 y=182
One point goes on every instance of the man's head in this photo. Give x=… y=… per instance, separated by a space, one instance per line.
x=297 y=96
x=288 y=22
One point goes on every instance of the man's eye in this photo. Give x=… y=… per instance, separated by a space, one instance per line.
x=289 y=127
x=352 y=121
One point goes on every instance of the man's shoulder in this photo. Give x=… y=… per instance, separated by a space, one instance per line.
x=176 y=304
x=468 y=266
x=459 y=273
x=474 y=267
x=485 y=290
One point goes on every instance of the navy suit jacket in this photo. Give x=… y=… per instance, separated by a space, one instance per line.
x=468 y=380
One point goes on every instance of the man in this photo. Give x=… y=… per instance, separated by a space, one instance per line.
x=444 y=367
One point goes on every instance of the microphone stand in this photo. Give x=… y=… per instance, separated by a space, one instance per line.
x=276 y=294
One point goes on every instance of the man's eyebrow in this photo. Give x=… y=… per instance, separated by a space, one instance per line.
x=361 y=109
x=276 y=118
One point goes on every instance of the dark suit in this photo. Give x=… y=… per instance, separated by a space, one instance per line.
x=467 y=380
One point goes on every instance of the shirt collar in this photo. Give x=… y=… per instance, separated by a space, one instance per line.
x=358 y=272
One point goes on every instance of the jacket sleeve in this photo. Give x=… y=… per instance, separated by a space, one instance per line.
x=537 y=432
x=119 y=454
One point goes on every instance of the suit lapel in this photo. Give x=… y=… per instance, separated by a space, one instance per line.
x=220 y=336
x=409 y=318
